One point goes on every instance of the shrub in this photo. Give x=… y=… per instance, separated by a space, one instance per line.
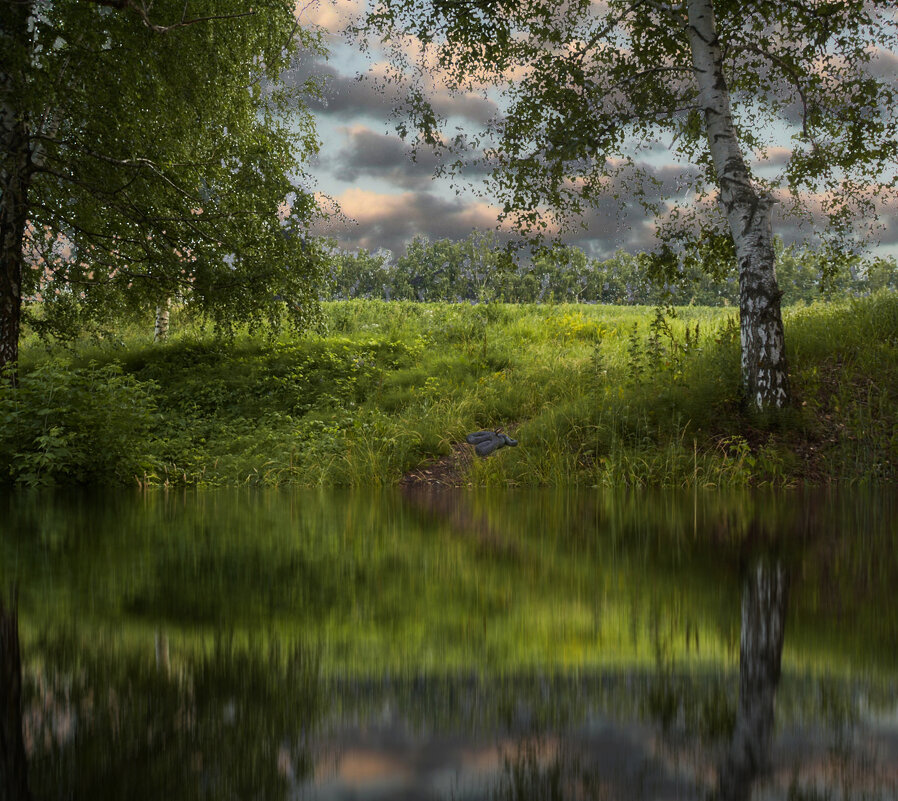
x=66 y=424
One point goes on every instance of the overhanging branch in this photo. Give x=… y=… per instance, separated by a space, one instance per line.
x=143 y=11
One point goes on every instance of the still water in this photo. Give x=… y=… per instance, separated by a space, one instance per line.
x=237 y=645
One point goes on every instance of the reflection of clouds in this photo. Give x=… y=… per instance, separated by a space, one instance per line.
x=616 y=758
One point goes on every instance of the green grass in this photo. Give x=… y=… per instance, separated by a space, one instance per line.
x=597 y=396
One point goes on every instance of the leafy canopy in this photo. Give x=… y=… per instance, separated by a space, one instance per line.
x=165 y=157
x=589 y=89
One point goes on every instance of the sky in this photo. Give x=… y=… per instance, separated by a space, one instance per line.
x=385 y=199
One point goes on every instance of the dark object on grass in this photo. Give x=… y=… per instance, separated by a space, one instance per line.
x=485 y=442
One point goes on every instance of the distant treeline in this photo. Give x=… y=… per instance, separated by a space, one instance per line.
x=479 y=269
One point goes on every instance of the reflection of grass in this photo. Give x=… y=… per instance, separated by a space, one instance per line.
x=460 y=582
x=597 y=395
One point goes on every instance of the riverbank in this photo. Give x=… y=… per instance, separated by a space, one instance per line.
x=385 y=393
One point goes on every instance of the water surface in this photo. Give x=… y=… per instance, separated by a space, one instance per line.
x=457 y=645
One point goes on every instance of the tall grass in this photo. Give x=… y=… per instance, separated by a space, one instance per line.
x=596 y=395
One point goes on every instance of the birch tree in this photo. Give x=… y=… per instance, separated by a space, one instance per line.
x=146 y=153
x=587 y=88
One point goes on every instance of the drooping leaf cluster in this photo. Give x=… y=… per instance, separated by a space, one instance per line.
x=588 y=90
x=167 y=161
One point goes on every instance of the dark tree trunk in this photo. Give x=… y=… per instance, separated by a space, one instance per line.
x=15 y=175
x=764 y=603
x=13 y=763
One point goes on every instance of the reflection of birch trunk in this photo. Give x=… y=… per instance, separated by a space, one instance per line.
x=160 y=332
x=13 y=763
x=764 y=601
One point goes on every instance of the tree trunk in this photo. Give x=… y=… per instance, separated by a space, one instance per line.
x=765 y=376
x=15 y=177
x=764 y=603
x=13 y=762
x=160 y=331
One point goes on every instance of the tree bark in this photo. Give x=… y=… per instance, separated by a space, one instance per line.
x=764 y=603
x=15 y=178
x=13 y=762
x=160 y=331
x=765 y=376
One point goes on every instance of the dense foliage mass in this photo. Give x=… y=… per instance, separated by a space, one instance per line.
x=148 y=153
x=477 y=269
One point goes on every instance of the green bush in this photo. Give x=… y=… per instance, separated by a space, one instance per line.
x=65 y=424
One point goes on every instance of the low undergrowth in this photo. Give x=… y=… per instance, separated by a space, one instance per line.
x=596 y=395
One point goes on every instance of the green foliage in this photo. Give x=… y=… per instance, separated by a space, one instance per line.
x=165 y=155
x=587 y=88
x=65 y=425
x=477 y=269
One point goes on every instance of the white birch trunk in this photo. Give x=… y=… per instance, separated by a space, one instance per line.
x=160 y=332
x=764 y=373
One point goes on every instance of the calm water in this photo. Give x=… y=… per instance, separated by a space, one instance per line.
x=457 y=646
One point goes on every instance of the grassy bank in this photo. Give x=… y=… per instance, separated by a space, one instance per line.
x=596 y=395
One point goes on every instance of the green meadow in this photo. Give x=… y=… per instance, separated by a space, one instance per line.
x=385 y=392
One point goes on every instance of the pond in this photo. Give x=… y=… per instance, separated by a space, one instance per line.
x=456 y=645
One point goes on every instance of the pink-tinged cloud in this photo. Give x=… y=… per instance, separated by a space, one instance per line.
x=374 y=220
x=331 y=15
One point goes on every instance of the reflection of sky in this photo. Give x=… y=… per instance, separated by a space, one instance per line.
x=620 y=759
x=387 y=199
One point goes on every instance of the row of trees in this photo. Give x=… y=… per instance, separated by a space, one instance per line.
x=477 y=269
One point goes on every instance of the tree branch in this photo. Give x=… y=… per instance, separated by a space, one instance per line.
x=143 y=12
x=794 y=77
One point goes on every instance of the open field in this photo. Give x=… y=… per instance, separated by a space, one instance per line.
x=386 y=391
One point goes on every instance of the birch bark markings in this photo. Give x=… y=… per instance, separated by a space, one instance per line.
x=764 y=371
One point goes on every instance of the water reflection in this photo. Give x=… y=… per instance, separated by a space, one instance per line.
x=764 y=600
x=447 y=646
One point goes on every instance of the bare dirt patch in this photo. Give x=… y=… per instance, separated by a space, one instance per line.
x=446 y=471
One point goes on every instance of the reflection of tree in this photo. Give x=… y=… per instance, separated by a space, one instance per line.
x=230 y=722
x=13 y=765
x=764 y=601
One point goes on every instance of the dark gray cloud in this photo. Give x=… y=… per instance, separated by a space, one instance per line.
x=385 y=220
x=350 y=96
x=385 y=157
x=375 y=220
x=369 y=154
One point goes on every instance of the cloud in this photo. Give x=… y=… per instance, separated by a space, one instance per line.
x=381 y=156
x=373 y=155
x=376 y=93
x=331 y=15
x=374 y=220
x=774 y=157
x=383 y=220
